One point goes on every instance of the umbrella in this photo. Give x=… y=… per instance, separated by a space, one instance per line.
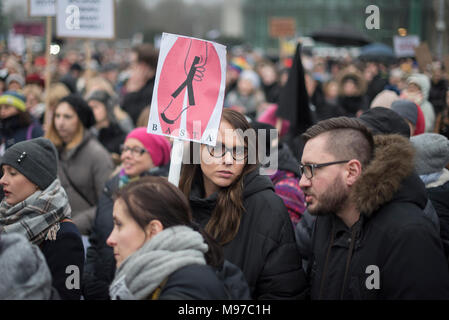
x=377 y=52
x=340 y=36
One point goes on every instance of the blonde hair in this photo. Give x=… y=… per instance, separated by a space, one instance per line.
x=57 y=91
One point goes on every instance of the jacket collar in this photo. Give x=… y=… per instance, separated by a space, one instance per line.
x=383 y=177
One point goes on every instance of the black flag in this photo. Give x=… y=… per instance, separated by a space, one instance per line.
x=294 y=104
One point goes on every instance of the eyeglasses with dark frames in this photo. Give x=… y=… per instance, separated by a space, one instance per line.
x=238 y=153
x=308 y=169
x=135 y=151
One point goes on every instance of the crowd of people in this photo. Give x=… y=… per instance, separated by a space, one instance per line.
x=359 y=210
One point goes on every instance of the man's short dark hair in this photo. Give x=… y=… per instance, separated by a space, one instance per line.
x=147 y=54
x=347 y=138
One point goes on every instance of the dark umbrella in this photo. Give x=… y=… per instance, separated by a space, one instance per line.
x=377 y=52
x=341 y=36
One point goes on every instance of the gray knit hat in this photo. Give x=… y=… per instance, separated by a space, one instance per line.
x=406 y=109
x=36 y=159
x=432 y=152
x=24 y=270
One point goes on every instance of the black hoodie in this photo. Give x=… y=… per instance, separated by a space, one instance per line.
x=264 y=247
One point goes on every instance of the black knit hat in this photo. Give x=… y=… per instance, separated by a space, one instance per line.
x=36 y=159
x=382 y=120
x=81 y=108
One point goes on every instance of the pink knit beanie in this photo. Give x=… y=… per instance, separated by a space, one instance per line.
x=157 y=146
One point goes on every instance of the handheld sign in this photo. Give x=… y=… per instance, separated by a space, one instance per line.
x=41 y=8
x=188 y=93
x=85 y=19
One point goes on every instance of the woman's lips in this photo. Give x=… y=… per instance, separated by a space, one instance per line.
x=225 y=174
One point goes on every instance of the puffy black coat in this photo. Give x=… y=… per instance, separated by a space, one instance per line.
x=392 y=235
x=100 y=263
x=264 y=247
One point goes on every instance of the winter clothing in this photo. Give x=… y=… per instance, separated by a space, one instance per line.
x=25 y=274
x=42 y=218
x=382 y=120
x=12 y=130
x=251 y=103
x=81 y=108
x=200 y=282
x=264 y=247
x=392 y=236
x=66 y=251
x=16 y=77
x=437 y=95
x=83 y=171
x=142 y=272
x=432 y=153
x=423 y=82
x=35 y=159
x=384 y=99
x=110 y=137
x=359 y=101
x=100 y=263
x=412 y=112
x=157 y=146
x=286 y=183
x=134 y=102
x=13 y=98
x=38 y=215
x=431 y=158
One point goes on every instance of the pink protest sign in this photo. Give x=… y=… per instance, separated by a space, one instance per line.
x=189 y=89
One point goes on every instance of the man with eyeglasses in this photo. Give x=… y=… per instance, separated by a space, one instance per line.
x=371 y=239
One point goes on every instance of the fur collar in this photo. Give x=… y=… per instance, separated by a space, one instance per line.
x=392 y=163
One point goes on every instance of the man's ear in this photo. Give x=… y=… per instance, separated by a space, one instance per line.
x=353 y=171
x=153 y=228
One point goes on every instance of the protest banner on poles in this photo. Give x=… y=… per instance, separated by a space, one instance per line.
x=188 y=94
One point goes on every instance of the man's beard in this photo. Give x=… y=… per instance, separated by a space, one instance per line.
x=332 y=200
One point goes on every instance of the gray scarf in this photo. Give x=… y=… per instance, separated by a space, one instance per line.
x=38 y=216
x=142 y=272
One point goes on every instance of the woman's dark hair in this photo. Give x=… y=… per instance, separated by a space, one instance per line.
x=225 y=219
x=154 y=198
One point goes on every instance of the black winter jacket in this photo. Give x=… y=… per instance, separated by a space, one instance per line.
x=264 y=247
x=393 y=251
x=100 y=263
x=202 y=282
x=134 y=102
x=66 y=251
x=440 y=200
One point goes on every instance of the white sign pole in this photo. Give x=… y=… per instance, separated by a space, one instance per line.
x=177 y=153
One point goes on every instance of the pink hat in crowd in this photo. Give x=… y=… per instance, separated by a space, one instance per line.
x=157 y=146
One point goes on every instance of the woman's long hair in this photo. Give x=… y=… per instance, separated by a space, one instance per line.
x=53 y=135
x=154 y=198
x=225 y=219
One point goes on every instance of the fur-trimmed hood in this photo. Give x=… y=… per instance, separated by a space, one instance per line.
x=382 y=179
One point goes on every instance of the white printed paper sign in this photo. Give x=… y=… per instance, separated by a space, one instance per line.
x=42 y=8
x=189 y=89
x=85 y=19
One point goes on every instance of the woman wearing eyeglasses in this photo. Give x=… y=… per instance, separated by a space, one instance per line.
x=239 y=208
x=142 y=154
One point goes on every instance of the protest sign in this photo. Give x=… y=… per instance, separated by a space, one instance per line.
x=405 y=46
x=188 y=94
x=85 y=19
x=41 y=8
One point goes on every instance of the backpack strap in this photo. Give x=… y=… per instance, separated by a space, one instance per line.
x=157 y=292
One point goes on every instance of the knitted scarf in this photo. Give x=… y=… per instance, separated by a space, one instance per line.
x=38 y=216
x=142 y=272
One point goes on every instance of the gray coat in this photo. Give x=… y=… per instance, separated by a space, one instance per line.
x=83 y=172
